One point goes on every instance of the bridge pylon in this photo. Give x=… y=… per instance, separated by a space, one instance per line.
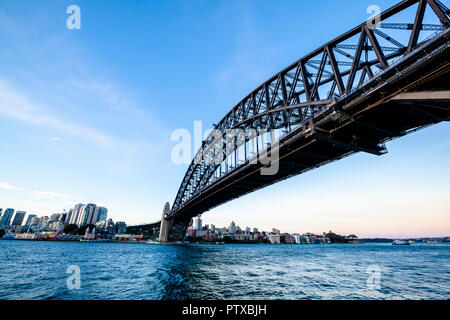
x=164 y=228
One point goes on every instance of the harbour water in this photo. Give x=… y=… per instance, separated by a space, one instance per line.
x=38 y=270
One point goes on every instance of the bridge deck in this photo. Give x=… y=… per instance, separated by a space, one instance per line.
x=363 y=124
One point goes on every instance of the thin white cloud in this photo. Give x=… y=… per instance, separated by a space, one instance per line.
x=18 y=106
x=50 y=195
x=8 y=186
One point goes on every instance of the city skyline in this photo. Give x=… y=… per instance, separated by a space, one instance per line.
x=95 y=124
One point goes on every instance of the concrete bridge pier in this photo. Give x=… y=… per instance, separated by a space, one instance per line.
x=164 y=228
x=172 y=228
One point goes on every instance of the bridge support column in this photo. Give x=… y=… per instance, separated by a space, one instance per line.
x=177 y=229
x=164 y=228
x=172 y=229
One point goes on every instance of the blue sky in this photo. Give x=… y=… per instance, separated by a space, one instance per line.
x=86 y=115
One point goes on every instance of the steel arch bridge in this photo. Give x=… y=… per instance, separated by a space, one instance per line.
x=381 y=80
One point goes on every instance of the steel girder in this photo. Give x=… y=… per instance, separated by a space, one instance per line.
x=294 y=96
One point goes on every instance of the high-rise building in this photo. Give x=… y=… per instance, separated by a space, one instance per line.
x=100 y=214
x=87 y=214
x=198 y=223
x=80 y=216
x=121 y=227
x=232 y=227
x=18 y=218
x=69 y=216
x=76 y=213
x=1 y=210
x=29 y=219
x=63 y=217
x=55 y=216
x=6 y=217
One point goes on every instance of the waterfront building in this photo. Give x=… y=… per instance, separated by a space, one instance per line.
x=43 y=222
x=18 y=218
x=121 y=227
x=63 y=217
x=105 y=226
x=241 y=237
x=100 y=214
x=198 y=223
x=68 y=216
x=86 y=214
x=274 y=238
x=232 y=227
x=305 y=239
x=31 y=236
x=53 y=225
x=34 y=223
x=221 y=231
x=76 y=213
x=90 y=235
x=29 y=218
x=6 y=217
x=288 y=238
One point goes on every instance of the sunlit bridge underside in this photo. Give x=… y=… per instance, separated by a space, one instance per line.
x=353 y=94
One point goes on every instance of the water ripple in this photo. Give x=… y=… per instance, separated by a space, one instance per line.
x=37 y=270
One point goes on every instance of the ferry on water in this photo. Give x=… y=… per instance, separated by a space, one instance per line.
x=400 y=243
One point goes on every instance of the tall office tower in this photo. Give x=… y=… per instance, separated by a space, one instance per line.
x=198 y=223
x=100 y=214
x=69 y=216
x=55 y=216
x=86 y=215
x=6 y=217
x=76 y=213
x=80 y=216
x=18 y=218
x=63 y=217
x=232 y=227
x=30 y=219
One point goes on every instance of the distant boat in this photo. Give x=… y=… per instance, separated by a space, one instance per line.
x=400 y=243
x=152 y=242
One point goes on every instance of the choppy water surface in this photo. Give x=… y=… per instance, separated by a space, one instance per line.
x=37 y=270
